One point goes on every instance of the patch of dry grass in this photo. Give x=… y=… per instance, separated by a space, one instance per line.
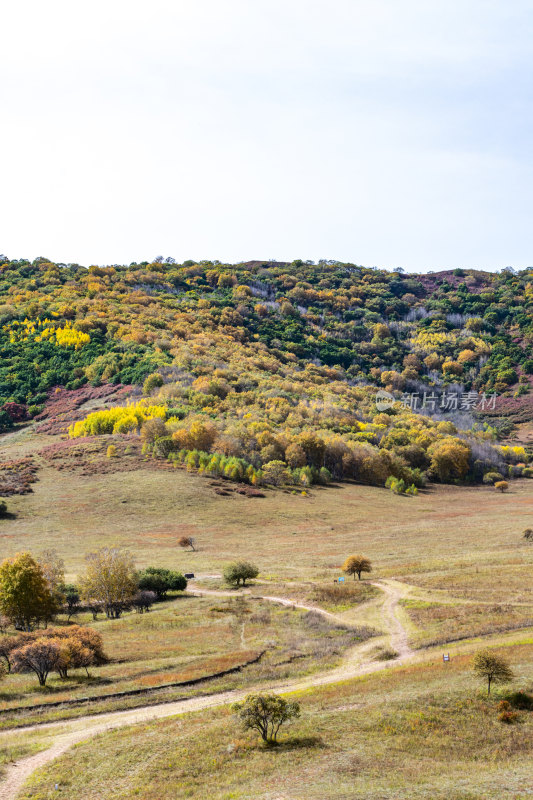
x=341 y=596
x=440 y=623
x=424 y=731
x=185 y=639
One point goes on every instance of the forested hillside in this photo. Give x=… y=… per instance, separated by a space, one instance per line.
x=268 y=371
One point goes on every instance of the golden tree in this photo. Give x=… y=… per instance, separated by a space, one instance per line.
x=355 y=565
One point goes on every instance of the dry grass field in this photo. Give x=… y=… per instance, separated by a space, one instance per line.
x=454 y=556
x=180 y=640
x=424 y=731
x=463 y=540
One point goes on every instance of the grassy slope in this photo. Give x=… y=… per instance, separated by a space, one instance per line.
x=455 y=547
x=465 y=539
x=424 y=732
x=181 y=640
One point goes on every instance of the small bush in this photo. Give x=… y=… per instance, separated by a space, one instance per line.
x=501 y=486
x=507 y=715
x=163 y=446
x=492 y=477
x=111 y=451
x=153 y=381
x=385 y=654
x=521 y=700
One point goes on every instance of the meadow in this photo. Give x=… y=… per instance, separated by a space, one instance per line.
x=463 y=540
x=454 y=556
x=185 y=639
x=423 y=731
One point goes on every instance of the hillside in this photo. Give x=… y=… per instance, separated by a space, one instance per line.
x=267 y=372
x=183 y=417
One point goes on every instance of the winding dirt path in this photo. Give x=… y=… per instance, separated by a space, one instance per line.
x=74 y=731
x=284 y=601
x=399 y=637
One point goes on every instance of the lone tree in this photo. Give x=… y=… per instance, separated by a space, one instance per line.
x=110 y=579
x=25 y=596
x=528 y=534
x=240 y=571
x=492 y=668
x=187 y=541
x=161 y=581
x=266 y=714
x=355 y=565
x=501 y=486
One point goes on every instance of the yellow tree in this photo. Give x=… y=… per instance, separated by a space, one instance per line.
x=110 y=579
x=25 y=595
x=355 y=565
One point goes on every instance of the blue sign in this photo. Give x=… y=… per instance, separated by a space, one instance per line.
x=341 y=580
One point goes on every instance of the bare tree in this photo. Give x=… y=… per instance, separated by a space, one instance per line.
x=40 y=656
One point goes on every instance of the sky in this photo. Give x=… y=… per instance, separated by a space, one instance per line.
x=390 y=133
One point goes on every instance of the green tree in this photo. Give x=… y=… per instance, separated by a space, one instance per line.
x=355 y=565
x=25 y=596
x=72 y=599
x=240 y=571
x=492 y=668
x=266 y=714
x=161 y=581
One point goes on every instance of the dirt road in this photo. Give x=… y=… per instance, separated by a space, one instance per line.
x=357 y=662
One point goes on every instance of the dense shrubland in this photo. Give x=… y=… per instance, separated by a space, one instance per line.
x=338 y=435
x=260 y=371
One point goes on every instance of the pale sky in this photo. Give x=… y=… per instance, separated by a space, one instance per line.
x=383 y=132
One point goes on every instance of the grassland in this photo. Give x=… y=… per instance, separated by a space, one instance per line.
x=185 y=639
x=456 y=556
x=460 y=539
x=423 y=731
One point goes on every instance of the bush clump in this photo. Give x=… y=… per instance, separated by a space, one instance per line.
x=490 y=478
x=240 y=572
